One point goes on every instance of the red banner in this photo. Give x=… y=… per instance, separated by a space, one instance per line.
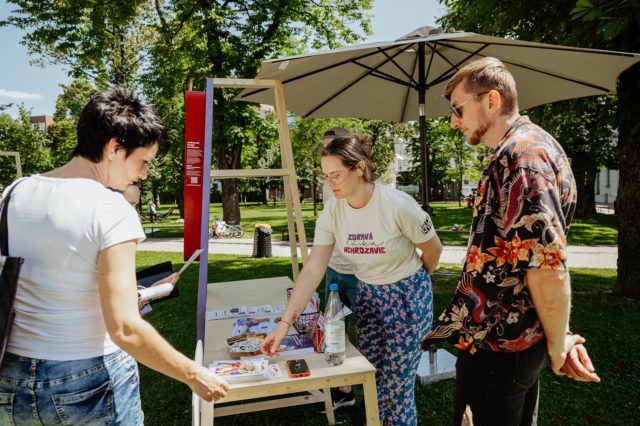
x=193 y=169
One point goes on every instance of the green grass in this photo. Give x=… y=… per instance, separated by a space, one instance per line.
x=599 y=229
x=251 y=214
x=607 y=321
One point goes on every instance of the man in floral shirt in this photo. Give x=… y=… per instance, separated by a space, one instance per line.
x=512 y=304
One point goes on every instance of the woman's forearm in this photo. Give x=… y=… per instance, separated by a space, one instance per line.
x=141 y=340
x=303 y=289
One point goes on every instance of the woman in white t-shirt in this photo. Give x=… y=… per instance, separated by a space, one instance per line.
x=378 y=229
x=77 y=329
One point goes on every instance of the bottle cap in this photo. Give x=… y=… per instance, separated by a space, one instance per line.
x=333 y=287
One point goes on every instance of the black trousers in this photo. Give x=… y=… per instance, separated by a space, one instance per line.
x=501 y=388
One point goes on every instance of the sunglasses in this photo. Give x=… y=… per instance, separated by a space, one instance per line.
x=457 y=110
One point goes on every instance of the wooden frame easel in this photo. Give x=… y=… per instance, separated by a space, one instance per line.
x=287 y=172
x=16 y=156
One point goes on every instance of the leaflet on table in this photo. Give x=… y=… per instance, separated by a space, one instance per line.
x=294 y=344
x=254 y=325
x=246 y=370
x=243 y=311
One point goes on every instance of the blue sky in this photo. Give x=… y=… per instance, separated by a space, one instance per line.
x=38 y=87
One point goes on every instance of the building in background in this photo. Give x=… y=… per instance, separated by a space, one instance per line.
x=41 y=122
x=606 y=187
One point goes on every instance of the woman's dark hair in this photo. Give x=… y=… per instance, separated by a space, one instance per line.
x=115 y=113
x=351 y=150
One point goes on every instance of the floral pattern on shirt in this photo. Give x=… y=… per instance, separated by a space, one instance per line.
x=525 y=203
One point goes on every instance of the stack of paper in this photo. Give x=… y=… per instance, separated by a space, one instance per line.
x=246 y=370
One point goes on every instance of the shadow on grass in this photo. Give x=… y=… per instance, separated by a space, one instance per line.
x=598 y=229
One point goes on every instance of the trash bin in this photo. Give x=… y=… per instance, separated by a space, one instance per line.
x=262 y=241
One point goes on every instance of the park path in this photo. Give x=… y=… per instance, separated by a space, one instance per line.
x=578 y=256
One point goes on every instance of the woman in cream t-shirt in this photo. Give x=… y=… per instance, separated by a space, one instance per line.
x=378 y=229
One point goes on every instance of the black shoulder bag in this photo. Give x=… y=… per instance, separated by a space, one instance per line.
x=8 y=278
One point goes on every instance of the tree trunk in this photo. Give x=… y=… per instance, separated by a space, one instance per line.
x=314 y=194
x=230 y=202
x=180 y=200
x=628 y=199
x=585 y=183
x=263 y=192
x=227 y=157
x=156 y=197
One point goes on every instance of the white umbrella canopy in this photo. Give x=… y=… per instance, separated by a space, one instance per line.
x=387 y=80
x=381 y=80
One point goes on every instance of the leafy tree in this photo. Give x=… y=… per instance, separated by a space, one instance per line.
x=587 y=132
x=450 y=159
x=306 y=141
x=166 y=173
x=598 y=24
x=20 y=135
x=62 y=133
x=99 y=40
x=230 y=39
x=167 y=45
x=307 y=144
x=73 y=98
x=549 y=22
x=263 y=152
x=384 y=135
x=615 y=24
x=62 y=140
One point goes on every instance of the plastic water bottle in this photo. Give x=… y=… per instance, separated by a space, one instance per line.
x=334 y=334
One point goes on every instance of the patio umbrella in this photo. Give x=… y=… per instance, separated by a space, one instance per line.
x=404 y=80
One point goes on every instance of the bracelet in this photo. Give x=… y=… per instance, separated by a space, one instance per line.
x=286 y=322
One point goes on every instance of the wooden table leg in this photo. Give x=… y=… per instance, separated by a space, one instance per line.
x=328 y=406
x=206 y=418
x=371 y=400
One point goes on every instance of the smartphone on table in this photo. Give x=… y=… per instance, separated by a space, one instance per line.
x=298 y=368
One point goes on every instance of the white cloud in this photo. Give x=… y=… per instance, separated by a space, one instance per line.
x=14 y=94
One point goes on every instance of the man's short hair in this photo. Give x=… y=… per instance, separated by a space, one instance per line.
x=115 y=113
x=335 y=132
x=483 y=75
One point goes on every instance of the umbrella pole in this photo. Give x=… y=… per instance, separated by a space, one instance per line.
x=424 y=156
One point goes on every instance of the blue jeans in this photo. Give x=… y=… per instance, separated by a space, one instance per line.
x=347 y=290
x=502 y=388
x=104 y=390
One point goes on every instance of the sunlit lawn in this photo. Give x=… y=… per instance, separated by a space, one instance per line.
x=608 y=322
x=599 y=229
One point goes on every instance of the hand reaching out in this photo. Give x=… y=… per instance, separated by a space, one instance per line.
x=208 y=385
x=271 y=344
x=171 y=279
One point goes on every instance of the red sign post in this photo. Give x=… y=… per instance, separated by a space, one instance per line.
x=194 y=168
